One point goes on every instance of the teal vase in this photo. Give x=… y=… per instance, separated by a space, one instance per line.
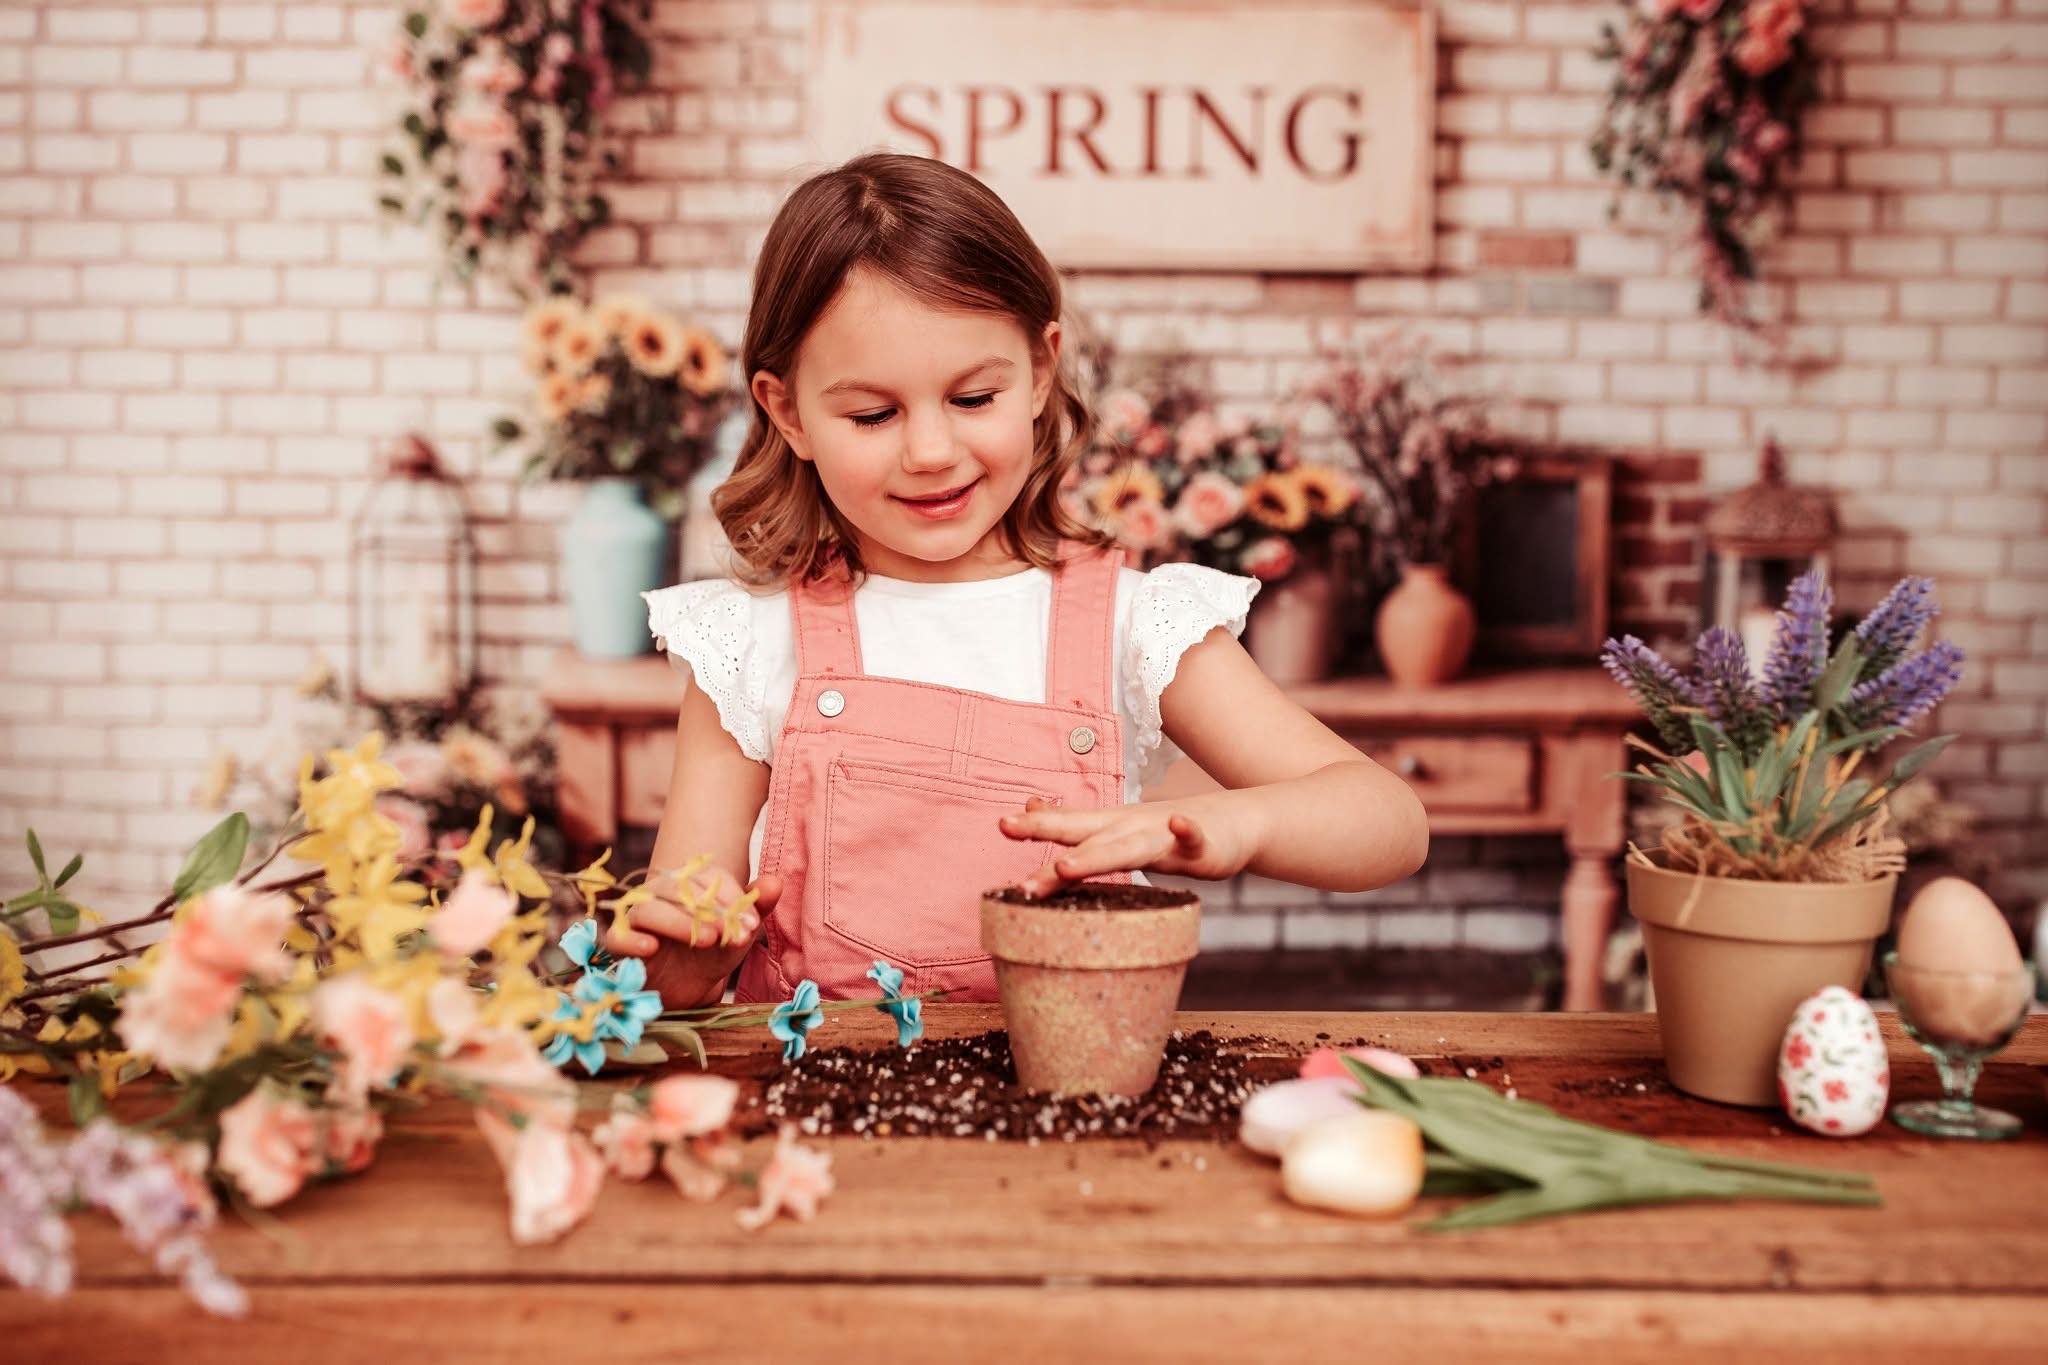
x=613 y=549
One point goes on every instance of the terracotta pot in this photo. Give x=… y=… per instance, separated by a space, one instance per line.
x=1291 y=634
x=1425 y=628
x=1730 y=960
x=1089 y=994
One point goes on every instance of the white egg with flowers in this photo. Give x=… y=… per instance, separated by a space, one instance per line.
x=1834 y=1073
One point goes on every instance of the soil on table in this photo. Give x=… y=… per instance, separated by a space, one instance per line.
x=967 y=1088
x=1097 y=896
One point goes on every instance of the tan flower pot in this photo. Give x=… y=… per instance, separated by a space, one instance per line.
x=1089 y=994
x=1729 y=961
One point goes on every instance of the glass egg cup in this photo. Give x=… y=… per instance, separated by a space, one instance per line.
x=1960 y=1018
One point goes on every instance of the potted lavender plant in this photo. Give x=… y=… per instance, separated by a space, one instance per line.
x=1777 y=878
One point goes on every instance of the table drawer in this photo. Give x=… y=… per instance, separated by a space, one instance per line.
x=647 y=759
x=1461 y=772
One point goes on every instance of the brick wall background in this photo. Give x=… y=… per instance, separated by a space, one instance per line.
x=203 y=330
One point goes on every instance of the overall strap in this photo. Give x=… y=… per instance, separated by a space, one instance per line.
x=827 y=640
x=1080 y=640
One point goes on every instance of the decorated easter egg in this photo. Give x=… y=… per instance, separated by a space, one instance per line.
x=1833 y=1072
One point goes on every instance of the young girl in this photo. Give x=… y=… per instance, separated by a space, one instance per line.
x=933 y=680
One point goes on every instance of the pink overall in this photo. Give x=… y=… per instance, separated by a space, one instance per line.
x=883 y=805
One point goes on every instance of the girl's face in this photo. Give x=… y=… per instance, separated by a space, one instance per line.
x=919 y=422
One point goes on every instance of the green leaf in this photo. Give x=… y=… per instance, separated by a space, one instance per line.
x=64 y=916
x=1913 y=760
x=392 y=165
x=416 y=24
x=35 y=854
x=216 y=858
x=505 y=429
x=87 y=1103
x=1839 y=677
x=70 y=869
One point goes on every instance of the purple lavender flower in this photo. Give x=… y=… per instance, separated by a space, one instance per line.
x=1799 y=650
x=1894 y=624
x=1657 y=686
x=1722 y=680
x=1907 y=690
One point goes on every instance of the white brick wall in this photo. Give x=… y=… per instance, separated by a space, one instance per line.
x=203 y=330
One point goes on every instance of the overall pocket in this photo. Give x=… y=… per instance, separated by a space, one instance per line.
x=908 y=854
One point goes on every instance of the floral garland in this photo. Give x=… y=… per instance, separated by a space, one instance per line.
x=1705 y=108
x=282 y=1014
x=502 y=137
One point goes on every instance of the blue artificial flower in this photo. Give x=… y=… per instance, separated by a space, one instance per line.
x=630 y=1007
x=796 y=1017
x=623 y=1009
x=908 y=1014
x=579 y=941
x=562 y=1046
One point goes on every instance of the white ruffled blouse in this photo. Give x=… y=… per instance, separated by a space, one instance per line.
x=988 y=635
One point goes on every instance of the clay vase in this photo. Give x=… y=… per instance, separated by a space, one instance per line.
x=1425 y=628
x=1291 y=634
x=1730 y=960
x=1089 y=978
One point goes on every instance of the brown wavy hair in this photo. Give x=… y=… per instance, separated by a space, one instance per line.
x=946 y=238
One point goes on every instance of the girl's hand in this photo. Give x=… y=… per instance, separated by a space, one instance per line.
x=685 y=961
x=1158 y=836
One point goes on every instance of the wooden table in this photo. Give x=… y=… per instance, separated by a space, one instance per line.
x=953 y=1249
x=1526 y=751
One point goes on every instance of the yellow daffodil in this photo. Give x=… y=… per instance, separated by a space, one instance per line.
x=13 y=971
x=517 y=1000
x=515 y=873
x=376 y=909
x=593 y=879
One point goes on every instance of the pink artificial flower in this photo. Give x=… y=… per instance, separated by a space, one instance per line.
x=421 y=767
x=514 y=1076
x=471 y=916
x=479 y=122
x=1196 y=437
x=627 y=1141
x=491 y=72
x=690 y=1106
x=1269 y=559
x=1124 y=414
x=475 y=13
x=415 y=830
x=234 y=932
x=397 y=58
x=700 y=1167
x=372 y=1028
x=792 y=1182
x=180 y=1015
x=1151 y=442
x=1699 y=11
x=1207 y=503
x=451 y=1010
x=268 y=1146
x=552 y=1173
x=352 y=1136
x=1142 y=525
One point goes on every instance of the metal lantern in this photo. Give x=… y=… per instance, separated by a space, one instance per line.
x=1758 y=540
x=412 y=584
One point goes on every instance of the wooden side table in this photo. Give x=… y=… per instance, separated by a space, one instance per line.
x=1525 y=751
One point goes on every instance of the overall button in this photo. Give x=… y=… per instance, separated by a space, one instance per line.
x=1081 y=740
x=830 y=703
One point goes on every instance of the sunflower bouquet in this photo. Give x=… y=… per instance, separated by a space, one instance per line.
x=620 y=390
x=1170 y=479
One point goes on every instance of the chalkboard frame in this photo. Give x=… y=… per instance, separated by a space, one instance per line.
x=1592 y=474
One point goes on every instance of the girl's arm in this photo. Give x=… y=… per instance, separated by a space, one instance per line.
x=1302 y=805
x=714 y=795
